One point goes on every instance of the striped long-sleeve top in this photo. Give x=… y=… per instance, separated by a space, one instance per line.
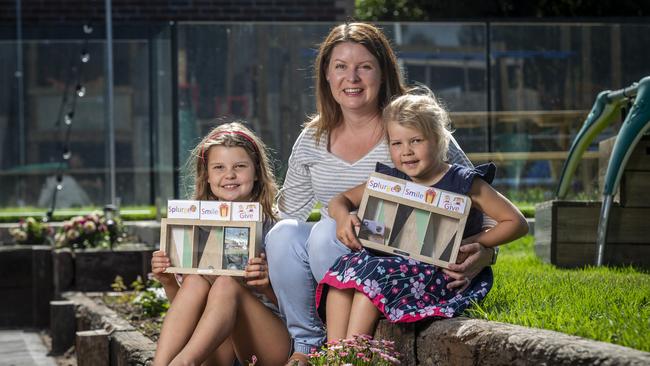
x=316 y=175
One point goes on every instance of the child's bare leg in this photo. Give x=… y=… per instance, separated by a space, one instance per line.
x=259 y=332
x=224 y=355
x=363 y=316
x=181 y=319
x=227 y=302
x=338 y=306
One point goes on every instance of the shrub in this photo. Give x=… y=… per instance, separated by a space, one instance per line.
x=89 y=231
x=31 y=231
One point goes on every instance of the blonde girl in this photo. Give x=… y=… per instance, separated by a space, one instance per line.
x=213 y=320
x=362 y=286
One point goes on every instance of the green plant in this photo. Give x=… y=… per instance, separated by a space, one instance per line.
x=31 y=231
x=147 y=300
x=118 y=285
x=89 y=231
x=152 y=302
x=359 y=351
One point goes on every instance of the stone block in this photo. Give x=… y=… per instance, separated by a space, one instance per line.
x=131 y=348
x=91 y=348
x=404 y=337
x=462 y=341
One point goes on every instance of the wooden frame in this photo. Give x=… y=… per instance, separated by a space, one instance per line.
x=425 y=226
x=201 y=246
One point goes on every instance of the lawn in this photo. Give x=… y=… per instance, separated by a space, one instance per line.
x=13 y=214
x=605 y=304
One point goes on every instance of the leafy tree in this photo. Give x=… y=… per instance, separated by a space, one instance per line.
x=404 y=10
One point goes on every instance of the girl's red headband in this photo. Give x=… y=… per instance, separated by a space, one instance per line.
x=240 y=133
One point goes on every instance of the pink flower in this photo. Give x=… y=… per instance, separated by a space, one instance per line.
x=404 y=268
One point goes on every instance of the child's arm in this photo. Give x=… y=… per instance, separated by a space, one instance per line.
x=257 y=277
x=511 y=224
x=339 y=209
x=160 y=262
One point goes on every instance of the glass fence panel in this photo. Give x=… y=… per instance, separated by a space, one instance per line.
x=263 y=74
x=517 y=93
x=51 y=68
x=545 y=78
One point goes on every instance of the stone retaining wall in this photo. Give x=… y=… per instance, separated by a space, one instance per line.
x=464 y=341
x=127 y=346
x=458 y=342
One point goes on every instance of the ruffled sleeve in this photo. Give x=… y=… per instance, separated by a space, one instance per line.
x=486 y=172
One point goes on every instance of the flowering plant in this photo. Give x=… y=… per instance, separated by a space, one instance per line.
x=90 y=231
x=361 y=350
x=31 y=231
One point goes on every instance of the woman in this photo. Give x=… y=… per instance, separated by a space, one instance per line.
x=356 y=76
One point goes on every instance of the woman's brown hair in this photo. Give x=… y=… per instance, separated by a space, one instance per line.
x=329 y=113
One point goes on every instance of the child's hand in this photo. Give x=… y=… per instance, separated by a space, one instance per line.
x=159 y=263
x=471 y=260
x=257 y=274
x=345 y=231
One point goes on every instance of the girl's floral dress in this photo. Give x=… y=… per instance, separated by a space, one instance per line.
x=403 y=289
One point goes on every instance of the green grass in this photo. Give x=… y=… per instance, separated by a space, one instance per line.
x=13 y=214
x=605 y=304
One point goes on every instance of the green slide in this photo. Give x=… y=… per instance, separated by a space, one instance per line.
x=601 y=115
x=635 y=125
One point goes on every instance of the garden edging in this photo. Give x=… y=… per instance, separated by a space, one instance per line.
x=127 y=346
x=465 y=341
x=459 y=341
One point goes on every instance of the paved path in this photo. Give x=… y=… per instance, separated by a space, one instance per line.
x=23 y=348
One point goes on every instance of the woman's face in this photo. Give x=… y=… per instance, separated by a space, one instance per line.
x=231 y=173
x=354 y=77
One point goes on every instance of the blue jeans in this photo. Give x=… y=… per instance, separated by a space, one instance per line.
x=299 y=254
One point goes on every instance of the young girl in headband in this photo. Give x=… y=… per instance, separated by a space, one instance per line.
x=213 y=319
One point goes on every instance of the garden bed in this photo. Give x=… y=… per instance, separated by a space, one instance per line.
x=458 y=341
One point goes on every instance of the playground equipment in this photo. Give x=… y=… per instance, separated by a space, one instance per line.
x=637 y=122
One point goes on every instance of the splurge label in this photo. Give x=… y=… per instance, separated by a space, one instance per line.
x=385 y=186
x=183 y=209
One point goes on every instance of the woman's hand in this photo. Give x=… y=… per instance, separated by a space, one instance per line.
x=159 y=263
x=345 y=231
x=471 y=260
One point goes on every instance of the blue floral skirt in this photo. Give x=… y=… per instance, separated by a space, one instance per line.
x=403 y=289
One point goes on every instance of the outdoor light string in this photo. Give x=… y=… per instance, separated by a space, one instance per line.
x=80 y=92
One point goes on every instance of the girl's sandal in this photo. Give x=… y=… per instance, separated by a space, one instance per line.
x=298 y=359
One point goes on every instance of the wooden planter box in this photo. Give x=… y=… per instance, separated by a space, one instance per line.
x=634 y=187
x=95 y=270
x=25 y=285
x=565 y=234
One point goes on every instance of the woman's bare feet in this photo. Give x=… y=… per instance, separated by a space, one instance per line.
x=298 y=359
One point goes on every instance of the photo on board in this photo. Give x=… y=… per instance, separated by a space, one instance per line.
x=235 y=247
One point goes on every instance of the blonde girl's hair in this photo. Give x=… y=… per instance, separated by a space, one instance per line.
x=236 y=134
x=329 y=113
x=423 y=113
